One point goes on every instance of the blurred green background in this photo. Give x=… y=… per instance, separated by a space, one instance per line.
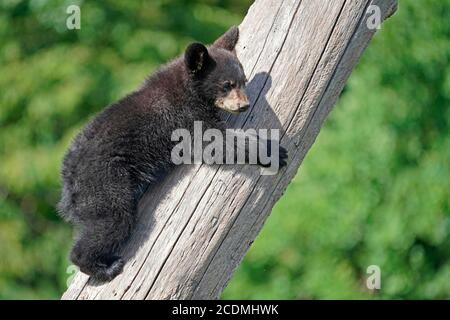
x=374 y=189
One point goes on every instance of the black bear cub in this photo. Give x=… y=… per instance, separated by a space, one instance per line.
x=128 y=146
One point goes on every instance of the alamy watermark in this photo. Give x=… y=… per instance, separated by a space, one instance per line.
x=373 y=281
x=73 y=21
x=71 y=271
x=374 y=19
x=235 y=146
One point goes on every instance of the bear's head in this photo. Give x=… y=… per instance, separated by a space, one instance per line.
x=217 y=74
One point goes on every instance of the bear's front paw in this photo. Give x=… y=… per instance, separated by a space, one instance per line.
x=282 y=156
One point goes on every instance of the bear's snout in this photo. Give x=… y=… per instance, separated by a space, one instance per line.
x=235 y=102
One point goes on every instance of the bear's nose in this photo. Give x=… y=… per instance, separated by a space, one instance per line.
x=244 y=107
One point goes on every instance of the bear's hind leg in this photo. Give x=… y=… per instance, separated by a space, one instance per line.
x=95 y=251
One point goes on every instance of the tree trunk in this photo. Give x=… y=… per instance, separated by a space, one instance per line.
x=196 y=226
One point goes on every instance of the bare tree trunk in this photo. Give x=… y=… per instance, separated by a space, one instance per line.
x=196 y=227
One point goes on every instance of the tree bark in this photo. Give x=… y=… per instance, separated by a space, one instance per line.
x=196 y=226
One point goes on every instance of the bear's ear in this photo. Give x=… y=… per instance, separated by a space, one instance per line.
x=229 y=39
x=196 y=58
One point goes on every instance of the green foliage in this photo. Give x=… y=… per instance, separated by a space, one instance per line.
x=53 y=79
x=375 y=187
x=373 y=190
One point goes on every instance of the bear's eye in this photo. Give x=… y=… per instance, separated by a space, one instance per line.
x=227 y=86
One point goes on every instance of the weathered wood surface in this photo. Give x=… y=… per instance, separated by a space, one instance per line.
x=196 y=227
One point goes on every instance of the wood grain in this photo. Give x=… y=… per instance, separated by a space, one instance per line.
x=197 y=225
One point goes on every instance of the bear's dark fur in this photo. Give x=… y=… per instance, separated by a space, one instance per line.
x=128 y=146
